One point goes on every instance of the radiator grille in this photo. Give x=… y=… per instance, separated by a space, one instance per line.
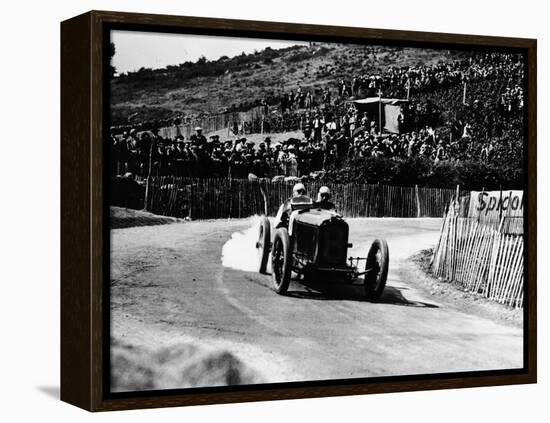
x=333 y=241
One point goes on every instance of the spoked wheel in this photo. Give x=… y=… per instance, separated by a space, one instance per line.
x=281 y=257
x=378 y=261
x=264 y=238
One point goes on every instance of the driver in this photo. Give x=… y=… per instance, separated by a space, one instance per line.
x=323 y=199
x=299 y=190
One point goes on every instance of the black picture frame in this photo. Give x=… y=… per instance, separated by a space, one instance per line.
x=85 y=216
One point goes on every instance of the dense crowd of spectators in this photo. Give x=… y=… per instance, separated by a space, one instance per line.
x=335 y=131
x=149 y=154
x=397 y=81
x=327 y=141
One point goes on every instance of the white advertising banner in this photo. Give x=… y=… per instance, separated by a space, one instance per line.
x=492 y=205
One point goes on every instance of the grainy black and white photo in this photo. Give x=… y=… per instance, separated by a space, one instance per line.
x=295 y=211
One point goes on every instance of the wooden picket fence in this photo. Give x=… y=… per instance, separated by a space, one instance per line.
x=215 y=198
x=209 y=124
x=212 y=123
x=485 y=259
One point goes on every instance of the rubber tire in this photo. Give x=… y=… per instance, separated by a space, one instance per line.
x=264 y=238
x=281 y=241
x=375 y=283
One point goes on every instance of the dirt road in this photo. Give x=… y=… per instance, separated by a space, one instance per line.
x=169 y=285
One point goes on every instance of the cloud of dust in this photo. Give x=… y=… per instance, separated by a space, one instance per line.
x=182 y=365
x=240 y=252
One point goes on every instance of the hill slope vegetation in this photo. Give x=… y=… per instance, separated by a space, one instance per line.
x=238 y=83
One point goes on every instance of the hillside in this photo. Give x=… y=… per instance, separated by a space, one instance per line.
x=239 y=82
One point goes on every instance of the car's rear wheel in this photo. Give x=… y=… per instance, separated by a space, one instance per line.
x=281 y=261
x=262 y=245
x=378 y=261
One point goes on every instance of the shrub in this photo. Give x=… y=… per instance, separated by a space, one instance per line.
x=299 y=56
x=470 y=174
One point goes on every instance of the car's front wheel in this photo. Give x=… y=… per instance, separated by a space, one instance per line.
x=281 y=261
x=262 y=245
x=377 y=265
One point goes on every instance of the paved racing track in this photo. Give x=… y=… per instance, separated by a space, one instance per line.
x=169 y=285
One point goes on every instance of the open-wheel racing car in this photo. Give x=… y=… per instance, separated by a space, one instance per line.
x=313 y=243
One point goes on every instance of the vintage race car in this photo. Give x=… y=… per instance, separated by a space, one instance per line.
x=313 y=243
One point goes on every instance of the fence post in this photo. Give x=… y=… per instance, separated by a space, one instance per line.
x=239 y=212
x=417 y=196
x=379 y=201
x=146 y=199
x=191 y=189
x=230 y=194
x=500 y=206
x=479 y=214
x=149 y=169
